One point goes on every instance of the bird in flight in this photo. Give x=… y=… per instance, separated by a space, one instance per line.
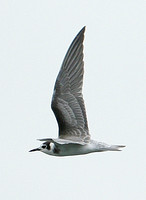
x=69 y=109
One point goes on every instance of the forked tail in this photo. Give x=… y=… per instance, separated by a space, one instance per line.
x=116 y=147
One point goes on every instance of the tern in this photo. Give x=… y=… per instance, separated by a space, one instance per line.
x=69 y=109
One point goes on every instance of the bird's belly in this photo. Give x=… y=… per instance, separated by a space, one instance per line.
x=74 y=149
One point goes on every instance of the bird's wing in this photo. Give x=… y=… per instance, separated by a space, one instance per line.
x=62 y=141
x=67 y=102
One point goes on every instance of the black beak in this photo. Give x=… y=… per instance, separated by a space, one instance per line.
x=37 y=149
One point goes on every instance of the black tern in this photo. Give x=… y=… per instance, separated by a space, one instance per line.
x=69 y=109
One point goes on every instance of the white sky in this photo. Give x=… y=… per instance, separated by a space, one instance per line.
x=34 y=38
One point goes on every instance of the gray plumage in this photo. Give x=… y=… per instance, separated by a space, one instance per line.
x=67 y=102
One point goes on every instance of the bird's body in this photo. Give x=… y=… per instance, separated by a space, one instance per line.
x=59 y=147
x=69 y=109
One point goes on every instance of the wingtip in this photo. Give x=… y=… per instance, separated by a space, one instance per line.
x=83 y=29
x=81 y=32
x=45 y=139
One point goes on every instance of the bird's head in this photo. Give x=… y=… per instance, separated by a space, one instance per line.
x=46 y=147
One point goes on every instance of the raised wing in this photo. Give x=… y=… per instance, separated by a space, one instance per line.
x=67 y=102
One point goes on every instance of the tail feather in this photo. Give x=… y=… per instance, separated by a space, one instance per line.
x=116 y=147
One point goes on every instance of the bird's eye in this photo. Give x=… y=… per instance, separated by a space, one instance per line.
x=44 y=146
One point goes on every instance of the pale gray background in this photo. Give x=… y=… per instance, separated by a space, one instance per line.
x=34 y=38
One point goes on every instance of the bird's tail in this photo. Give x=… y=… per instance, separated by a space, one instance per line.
x=116 y=147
